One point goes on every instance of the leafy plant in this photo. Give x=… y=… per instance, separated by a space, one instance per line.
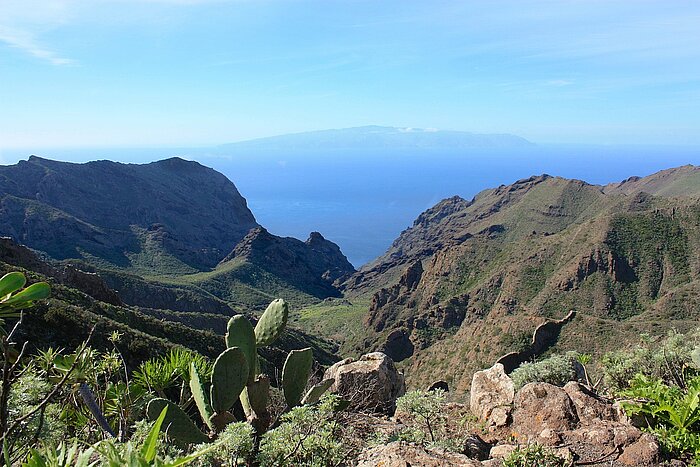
x=672 y=413
x=307 y=436
x=13 y=299
x=557 y=370
x=668 y=359
x=533 y=455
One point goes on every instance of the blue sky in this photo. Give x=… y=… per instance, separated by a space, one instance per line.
x=187 y=72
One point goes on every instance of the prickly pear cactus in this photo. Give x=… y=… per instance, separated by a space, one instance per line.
x=177 y=425
x=228 y=379
x=272 y=323
x=295 y=375
x=240 y=333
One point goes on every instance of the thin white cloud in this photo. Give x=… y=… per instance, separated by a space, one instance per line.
x=559 y=82
x=25 y=41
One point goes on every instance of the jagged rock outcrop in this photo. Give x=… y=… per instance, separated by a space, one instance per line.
x=544 y=337
x=312 y=266
x=371 y=383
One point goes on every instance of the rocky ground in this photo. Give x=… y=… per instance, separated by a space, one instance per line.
x=573 y=422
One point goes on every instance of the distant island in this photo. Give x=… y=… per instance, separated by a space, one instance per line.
x=379 y=137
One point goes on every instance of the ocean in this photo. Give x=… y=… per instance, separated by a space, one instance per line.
x=362 y=201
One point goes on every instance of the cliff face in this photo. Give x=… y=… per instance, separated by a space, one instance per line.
x=312 y=266
x=123 y=213
x=470 y=280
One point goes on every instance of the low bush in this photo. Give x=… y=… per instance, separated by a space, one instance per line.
x=307 y=436
x=667 y=359
x=533 y=455
x=557 y=370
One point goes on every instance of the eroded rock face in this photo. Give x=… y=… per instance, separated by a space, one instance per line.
x=589 y=406
x=541 y=405
x=491 y=389
x=371 y=383
x=399 y=454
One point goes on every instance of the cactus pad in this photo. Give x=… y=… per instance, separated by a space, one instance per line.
x=272 y=322
x=295 y=375
x=228 y=379
x=177 y=425
x=317 y=391
x=240 y=333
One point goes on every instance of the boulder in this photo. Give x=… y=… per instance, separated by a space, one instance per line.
x=644 y=451
x=398 y=454
x=589 y=406
x=538 y=406
x=371 y=383
x=491 y=389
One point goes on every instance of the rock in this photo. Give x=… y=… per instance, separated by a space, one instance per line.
x=490 y=389
x=624 y=435
x=398 y=454
x=501 y=451
x=645 y=451
x=589 y=406
x=476 y=448
x=541 y=405
x=442 y=385
x=500 y=416
x=492 y=463
x=549 y=437
x=370 y=384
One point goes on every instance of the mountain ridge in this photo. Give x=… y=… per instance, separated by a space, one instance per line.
x=469 y=278
x=159 y=234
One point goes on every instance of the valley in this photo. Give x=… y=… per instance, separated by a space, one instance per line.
x=466 y=283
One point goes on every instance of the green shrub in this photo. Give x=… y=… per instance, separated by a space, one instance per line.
x=425 y=418
x=235 y=445
x=307 y=436
x=557 y=370
x=672 y=413
x=666 y=359
x=533 y=455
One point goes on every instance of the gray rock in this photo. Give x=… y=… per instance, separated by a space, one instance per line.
x=490 y=389
x=399 y=454
x=541 y=405
x=371 y=383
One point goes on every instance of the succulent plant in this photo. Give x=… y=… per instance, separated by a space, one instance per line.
x=236 y=376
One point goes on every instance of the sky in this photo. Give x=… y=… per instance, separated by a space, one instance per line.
x=111 y=73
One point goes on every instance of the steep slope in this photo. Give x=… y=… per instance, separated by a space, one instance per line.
x=80 y=300
x=470 y=280
x=163 y=235
x=123 y=213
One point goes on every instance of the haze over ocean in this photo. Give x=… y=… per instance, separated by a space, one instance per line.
x=362 y=200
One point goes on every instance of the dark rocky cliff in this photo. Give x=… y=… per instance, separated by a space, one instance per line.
x=115 y=211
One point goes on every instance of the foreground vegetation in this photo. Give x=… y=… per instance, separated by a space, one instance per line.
x=84 y=407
